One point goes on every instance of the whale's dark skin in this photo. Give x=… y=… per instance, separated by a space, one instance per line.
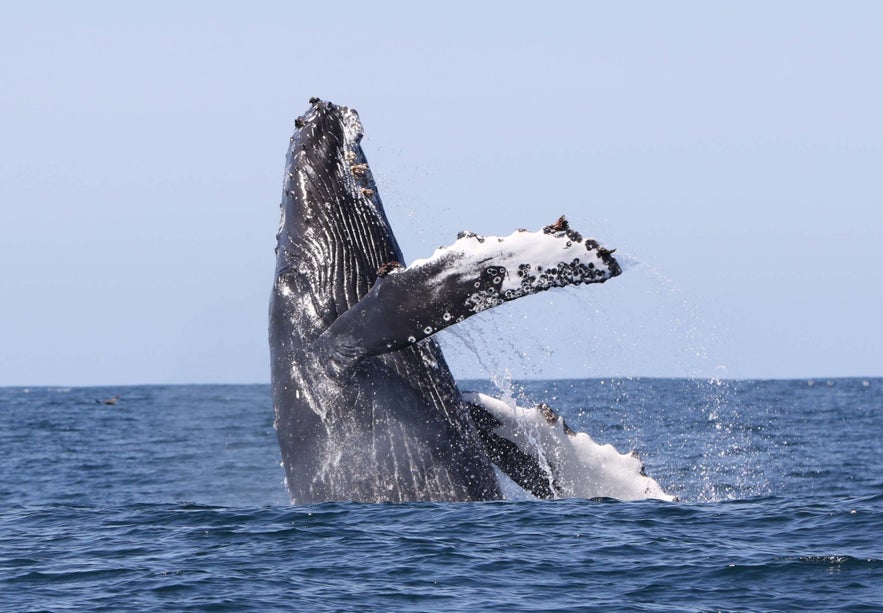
x=366 y=407
x=394 y=428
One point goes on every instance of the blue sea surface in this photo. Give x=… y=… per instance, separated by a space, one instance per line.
x=173 y=499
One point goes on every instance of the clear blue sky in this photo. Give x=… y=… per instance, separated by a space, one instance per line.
x=734 y=150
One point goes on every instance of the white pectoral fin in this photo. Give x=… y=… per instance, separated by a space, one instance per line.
x=474 y=274
x=541 y=454
x=491 y=270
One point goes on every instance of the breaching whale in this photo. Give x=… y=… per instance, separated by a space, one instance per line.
x=366 y=407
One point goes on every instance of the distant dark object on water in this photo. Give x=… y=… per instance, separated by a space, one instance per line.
x=110 y=401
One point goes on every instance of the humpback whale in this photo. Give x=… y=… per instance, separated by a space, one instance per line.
x=366 y=409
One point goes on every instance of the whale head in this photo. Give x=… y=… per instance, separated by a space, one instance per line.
x=333 y=228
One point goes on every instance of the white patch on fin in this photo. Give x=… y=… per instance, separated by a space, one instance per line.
x=522 y=263
x=580 y=467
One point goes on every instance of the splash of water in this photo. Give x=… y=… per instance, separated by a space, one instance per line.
x=729 y=466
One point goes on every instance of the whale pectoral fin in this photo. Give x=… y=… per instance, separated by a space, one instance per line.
x=474 y=274
x=537 y=450
x=522 y=467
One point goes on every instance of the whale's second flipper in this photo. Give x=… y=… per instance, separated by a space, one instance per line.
x=476 y=273
x=537 y=450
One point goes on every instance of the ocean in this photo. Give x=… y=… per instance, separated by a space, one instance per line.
x=173 y=499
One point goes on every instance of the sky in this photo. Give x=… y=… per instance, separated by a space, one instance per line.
x=732 y=153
